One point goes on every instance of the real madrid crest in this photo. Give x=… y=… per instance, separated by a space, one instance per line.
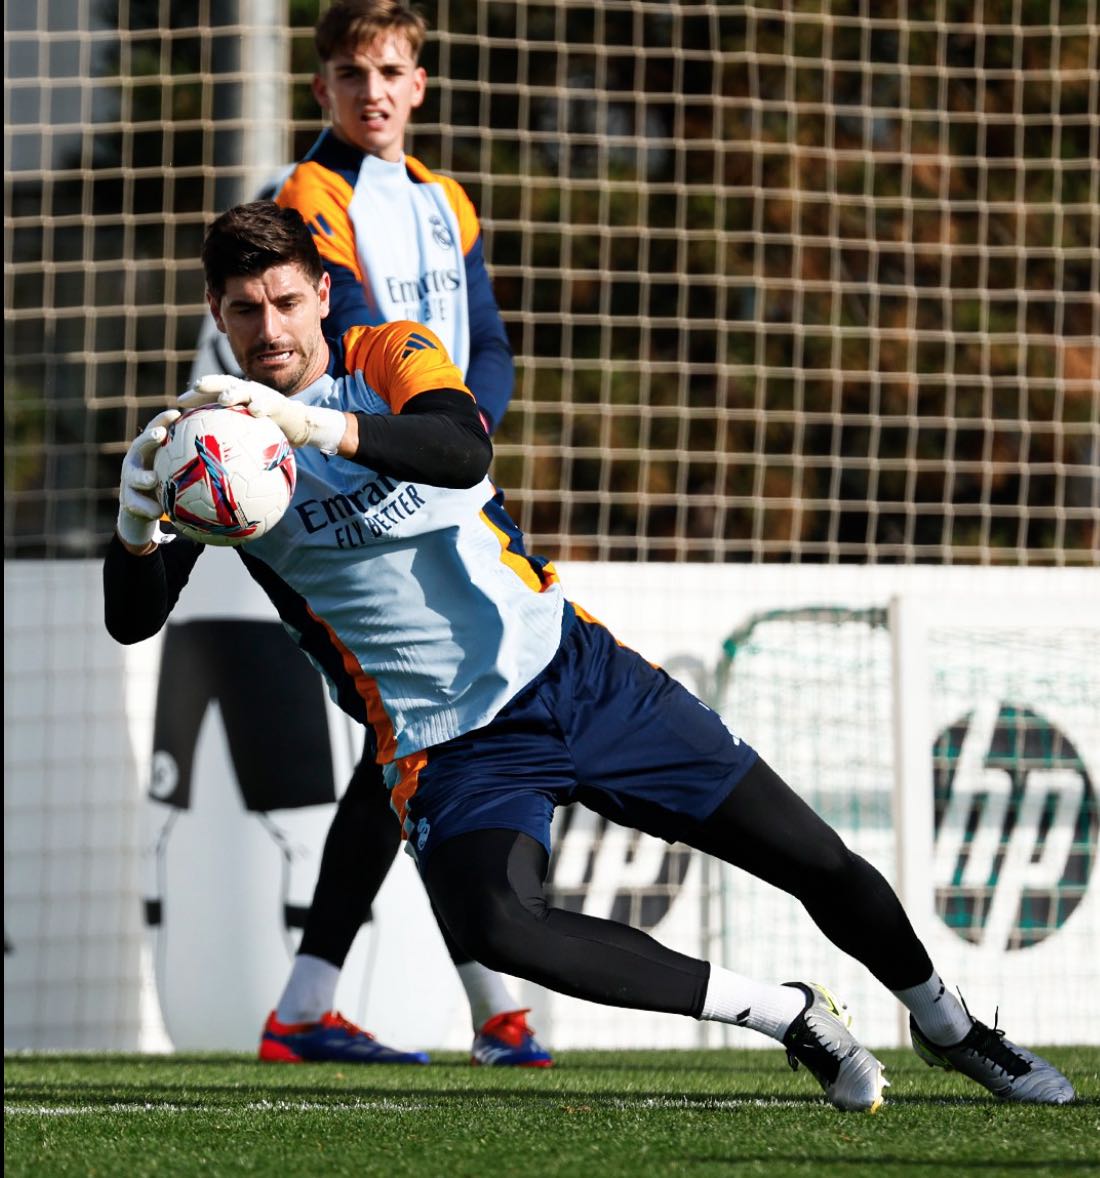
x=441 y=235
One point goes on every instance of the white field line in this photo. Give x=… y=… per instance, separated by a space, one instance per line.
x=306 y=1106
x=278 y=1106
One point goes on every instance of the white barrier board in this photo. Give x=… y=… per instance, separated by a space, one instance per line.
x=82 y=970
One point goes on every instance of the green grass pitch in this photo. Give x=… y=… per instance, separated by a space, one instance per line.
x=596 y=1114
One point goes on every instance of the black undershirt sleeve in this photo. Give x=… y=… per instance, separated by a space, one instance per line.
x=437 y=439
x=139 y=592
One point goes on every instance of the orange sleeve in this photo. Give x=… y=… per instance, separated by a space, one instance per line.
x=322 y=197
x=399 y=360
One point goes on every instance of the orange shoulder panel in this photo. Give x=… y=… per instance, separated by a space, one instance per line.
x=322 y=197
x=468 y=225
x=401 y=359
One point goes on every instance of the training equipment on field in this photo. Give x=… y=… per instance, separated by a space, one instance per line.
x=224 y=477
x=506 y=1041
x=334 y=1039
x=1010 y=1072
x=819 y=1038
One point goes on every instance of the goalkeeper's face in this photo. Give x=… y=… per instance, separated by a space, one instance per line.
x=273 y=323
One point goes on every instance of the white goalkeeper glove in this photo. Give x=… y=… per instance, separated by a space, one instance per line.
x=139 y=508
x=304 y=425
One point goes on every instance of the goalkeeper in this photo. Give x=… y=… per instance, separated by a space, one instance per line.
x=399 y=242
x=491 y=698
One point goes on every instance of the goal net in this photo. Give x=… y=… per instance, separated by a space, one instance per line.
x=954 y=746
x=811 y=281
x=799 y=283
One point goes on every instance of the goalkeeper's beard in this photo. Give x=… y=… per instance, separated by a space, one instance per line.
x=285 y=378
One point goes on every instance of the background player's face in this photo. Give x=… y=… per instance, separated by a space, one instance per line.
x=273 y=323
x=370 y=93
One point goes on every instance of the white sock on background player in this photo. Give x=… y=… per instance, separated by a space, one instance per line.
x=310 y=990
x=485 y=991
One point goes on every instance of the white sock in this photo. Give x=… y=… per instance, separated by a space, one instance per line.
x=938 y=1013
x=761 y=1006
x=310 y=990
x=485 y=991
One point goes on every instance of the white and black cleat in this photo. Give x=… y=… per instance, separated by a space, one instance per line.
x=819 y=1039
x=1008 y=1071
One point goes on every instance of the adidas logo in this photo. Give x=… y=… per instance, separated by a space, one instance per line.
x=416 y=343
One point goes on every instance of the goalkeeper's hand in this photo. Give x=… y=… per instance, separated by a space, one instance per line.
x=304 y=425
x=139 y=508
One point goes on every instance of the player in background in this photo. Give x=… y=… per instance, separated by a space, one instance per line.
x=492 y=698
x=398 y=242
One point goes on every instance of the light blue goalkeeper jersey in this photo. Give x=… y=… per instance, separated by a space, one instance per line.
x=418 y=604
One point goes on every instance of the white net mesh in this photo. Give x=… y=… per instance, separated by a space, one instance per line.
x=811 y=690
x=810 y=282
x=1013 y=724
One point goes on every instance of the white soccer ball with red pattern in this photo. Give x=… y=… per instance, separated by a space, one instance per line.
x=224 y=477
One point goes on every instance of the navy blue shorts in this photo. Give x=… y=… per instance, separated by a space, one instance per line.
x=599 y=725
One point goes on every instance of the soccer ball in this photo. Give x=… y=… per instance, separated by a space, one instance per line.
x=224 y=477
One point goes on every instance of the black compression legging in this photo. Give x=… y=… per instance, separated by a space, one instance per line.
x=359 y=850
x=488 y=887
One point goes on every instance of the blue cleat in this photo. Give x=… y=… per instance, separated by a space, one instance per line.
x=506 y=1041
x=334 y=1039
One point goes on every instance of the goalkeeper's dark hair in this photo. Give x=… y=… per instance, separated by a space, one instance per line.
x=248 y=239
x=347 y=24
